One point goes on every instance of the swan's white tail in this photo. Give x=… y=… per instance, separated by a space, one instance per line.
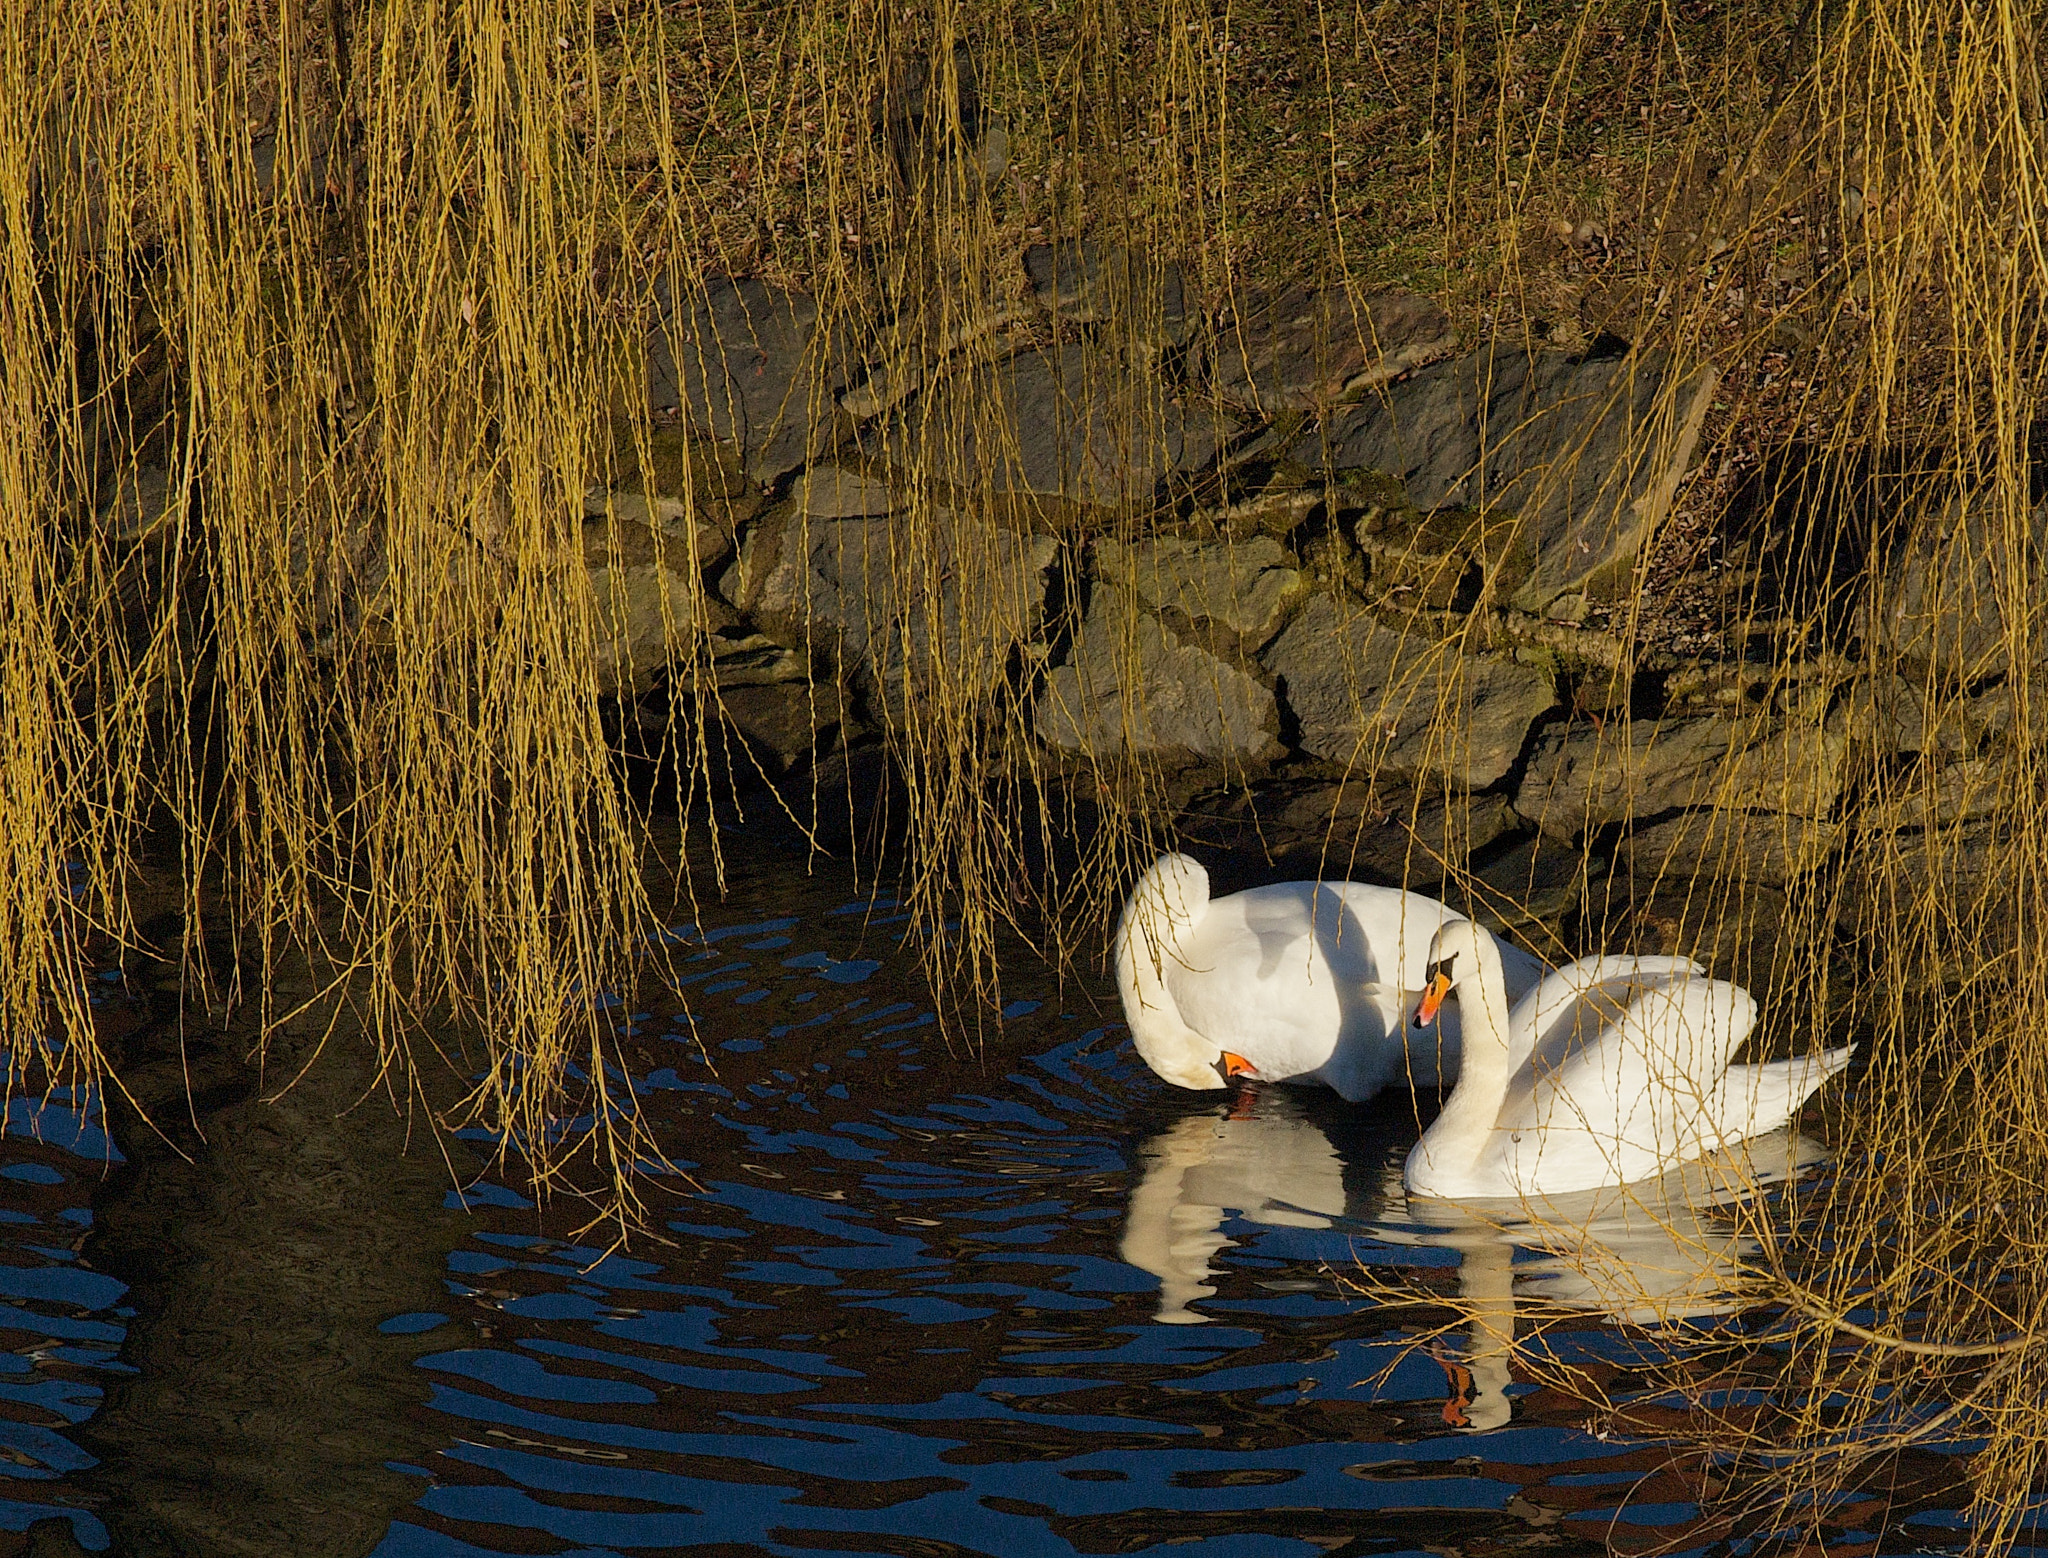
x=1762 y=1098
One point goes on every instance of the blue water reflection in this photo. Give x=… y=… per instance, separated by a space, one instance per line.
x=61 y=1323
x=1024 y=1306
x=1029 y=1302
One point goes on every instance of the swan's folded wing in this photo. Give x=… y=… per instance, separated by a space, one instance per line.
x=1252 y=978
x=1571 y=1005
x=1396 y=926
x=1641 y=1082
x=1687 y=1033
x=1247 y=944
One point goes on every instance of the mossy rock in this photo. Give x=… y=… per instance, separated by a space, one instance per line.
x=679 y=464
x=1588 y=450
x=1389 y=700
x=1356 y=492
x=1448 y=558
x=692 y=478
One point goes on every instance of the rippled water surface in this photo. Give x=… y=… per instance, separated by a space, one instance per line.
x=1029 y=1304
x=62 y=1324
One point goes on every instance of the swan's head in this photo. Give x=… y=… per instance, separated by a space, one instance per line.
x=1453 y=954
x=1179 y=1055
x=1202 y=1067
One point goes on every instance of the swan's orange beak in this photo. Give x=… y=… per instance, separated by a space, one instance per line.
x=1433 y=995
x=1233 y=1066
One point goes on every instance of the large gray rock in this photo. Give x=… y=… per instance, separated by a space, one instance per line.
x=925 y=334
x=1585 y=777
x=1741 y=931
x=1366 y=694
x=650 y=601
x=1442 y=559
x=1901 y=718
x=1904 y=715
x=899 y=606
x=1961 y=590
x=1941 y=793
x=1530 y=886
x=1588 y=452
x=1085 y=282
x=832 y=492
x=1133 y=686
x=1974 y=873
x=748 y=364
x=1727 y=845
x=1071 y=424
x=1244 y=587
x=1310 y=347
x=1368 y=832
x=759 y=552
x=787 y=726
x=145 y=501
x=683 y=483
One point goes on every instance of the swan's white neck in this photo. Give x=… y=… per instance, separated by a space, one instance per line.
x=1454 y=1142
x=1149 y=941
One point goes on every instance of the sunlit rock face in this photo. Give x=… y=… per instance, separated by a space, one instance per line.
x=1586 y=452
x=748 y=364
x=1133 y=685
x=1264 y=536
x=1304 y=348
x=1359 y=687
x=1074 y=425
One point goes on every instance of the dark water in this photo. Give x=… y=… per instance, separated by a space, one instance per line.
x=62 y=1324
x=1031 y=1304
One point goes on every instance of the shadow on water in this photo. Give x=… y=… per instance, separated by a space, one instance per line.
x=237 y=1260
x=267 y=1402
x=1031 y=1302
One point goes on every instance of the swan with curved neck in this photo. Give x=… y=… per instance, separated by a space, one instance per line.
x=1612 y=1070
x=1293 y=981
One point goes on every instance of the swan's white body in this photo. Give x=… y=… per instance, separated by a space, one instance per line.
x=1309 y=982
x=1612 y=1070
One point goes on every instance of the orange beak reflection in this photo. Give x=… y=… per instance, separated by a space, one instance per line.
x=1432 y=1002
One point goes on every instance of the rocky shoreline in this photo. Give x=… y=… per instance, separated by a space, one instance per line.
x=1303 y=554
x=1327 y=569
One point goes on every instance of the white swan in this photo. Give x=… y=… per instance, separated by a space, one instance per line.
x=1612 y=1070
x=1291 y=982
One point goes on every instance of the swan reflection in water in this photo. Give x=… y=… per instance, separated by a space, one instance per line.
x=1647 y=1253
x=1264 y=1163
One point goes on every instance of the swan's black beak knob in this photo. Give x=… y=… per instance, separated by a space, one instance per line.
x=1433 y=995
x=1229 y=1067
